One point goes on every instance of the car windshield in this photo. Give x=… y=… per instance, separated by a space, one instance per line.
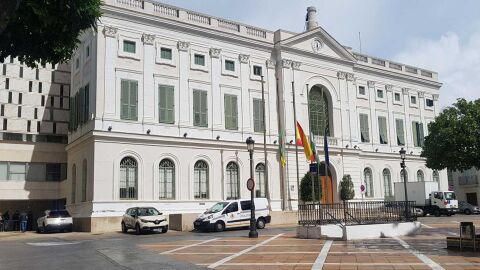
x=143 y=212
x=217 y=207
x=58 y=214
x=450 y=196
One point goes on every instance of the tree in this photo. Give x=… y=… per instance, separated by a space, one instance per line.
x=306 y=188
x=347 y=191
x=44 y=31
x=454 y=137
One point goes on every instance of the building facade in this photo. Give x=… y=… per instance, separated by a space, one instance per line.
x=465 y=185
x=164 y=98
x=34 y=106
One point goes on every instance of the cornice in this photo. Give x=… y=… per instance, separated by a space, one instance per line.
x=313 y=55
x=215 y=52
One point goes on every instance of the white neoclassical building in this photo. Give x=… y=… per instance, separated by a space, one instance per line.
x=164 y=98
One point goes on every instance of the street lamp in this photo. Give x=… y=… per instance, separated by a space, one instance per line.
x=402 y=164
x=251 y=186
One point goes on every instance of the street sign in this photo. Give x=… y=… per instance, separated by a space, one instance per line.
x=313 y=167
x=250 y=184
x=362 y=188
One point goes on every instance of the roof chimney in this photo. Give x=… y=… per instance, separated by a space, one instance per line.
x=311 y=18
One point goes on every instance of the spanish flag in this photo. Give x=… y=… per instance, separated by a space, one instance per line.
x=302 y=140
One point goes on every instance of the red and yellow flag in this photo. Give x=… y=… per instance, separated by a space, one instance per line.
x=302 y=140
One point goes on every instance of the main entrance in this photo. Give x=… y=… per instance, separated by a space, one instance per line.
x=327 y=189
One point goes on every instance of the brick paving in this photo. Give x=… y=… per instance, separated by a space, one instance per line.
x=288 y=252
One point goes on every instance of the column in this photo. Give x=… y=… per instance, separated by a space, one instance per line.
x=373 y=116
x=216 y=97
x=184 y=105
x=435 y=104
x=342 y=84
x=288 y=100
x=408 y=124
x=247 y=114
x=421 y=108
x=391 y=119
x=110 y=55
x=148 y=83
x=352 y=108
x=270 y=85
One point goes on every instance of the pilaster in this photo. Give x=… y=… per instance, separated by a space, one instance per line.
x=110 y=79
x=247 y=118
x=408 y=124
x=148 y=82
x=373 y=116
x=184 y=68
x=216 y=97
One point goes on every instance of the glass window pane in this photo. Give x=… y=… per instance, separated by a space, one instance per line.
x=318 y=111
x=166 y=53
x=199 y=59
x=36 y=172
x=3 y=171
x=17 y=171
x=129 y=46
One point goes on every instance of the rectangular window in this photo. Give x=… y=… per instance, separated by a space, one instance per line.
x=397 y=97
x=429 y=102
x=43 y=101
x=199 y=59
x=61 y=90
x=4 y=124
x=2 y=110
x=231 y=114
x=129 y=46
x=166 y=104
x=30 y=86
x=7 y=83
x=257 y=70
x=53 y=171
x=38 y=126
x=29 y=125
x=37 y=74
x=35 y=113
x=166 y=53
x=4 y=70
x=53 y=76
x=413 y=100
x=258 y=124
x=39 y=87
x=10 y=97
x=3 y=171
x=17 y=171
x=21 y=72
x=87 y=51
x=400 y=132
x=129 y=100
x=54 y=128
x=36 y=172
x=361 y=90
x=61 y=102
x=20 y=98
x=229 y=65
x=380 y=93
x=364 y=130
x=382 y=130
x=51 y=114
x=52 y=101
x=19 y=111
x=418 y=135
x=200 y=108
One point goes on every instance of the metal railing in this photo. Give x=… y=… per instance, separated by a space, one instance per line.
x=355 y=213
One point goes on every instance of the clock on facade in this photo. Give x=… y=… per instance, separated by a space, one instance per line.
x=317 y=45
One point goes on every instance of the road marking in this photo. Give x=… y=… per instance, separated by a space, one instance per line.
x=367 y=252
x=192 y=245
x=419 y=255
x=322 y=256
x=452 y=233
x=299 y=263
x=50 y=244
x=224 y=260
x=454 y=221
x=426 y=226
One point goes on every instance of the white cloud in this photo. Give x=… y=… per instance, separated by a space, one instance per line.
x=456 y=61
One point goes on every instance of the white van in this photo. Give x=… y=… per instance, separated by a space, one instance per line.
x=233 y=213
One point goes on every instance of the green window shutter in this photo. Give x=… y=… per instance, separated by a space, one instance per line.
x=166 y=102
x=258 y=125
x=204 y=108
x=364 y=131
x=171 y=105
x=421 y=136
x=415 y=133
x=196 y=108
x=124 y=88
x=231 y=112
x=382 y=129
x=400 y=132
x=87 y=103
x=133 y=100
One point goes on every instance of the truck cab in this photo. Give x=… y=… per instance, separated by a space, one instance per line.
x=443 y=202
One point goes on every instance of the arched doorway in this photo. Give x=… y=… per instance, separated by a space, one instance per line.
x=328 y=184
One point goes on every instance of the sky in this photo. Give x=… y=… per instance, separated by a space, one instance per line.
x=439 y=35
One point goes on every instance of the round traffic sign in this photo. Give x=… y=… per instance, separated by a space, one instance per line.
x=250 y=184
x=362 y=188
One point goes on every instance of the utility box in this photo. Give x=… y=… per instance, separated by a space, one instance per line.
x=467 y=230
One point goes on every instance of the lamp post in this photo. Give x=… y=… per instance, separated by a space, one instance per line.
x=402 y=164
x=251 y=186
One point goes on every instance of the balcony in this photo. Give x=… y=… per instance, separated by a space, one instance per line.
x=332 y=141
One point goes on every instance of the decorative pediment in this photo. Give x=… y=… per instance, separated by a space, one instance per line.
x=318 y=41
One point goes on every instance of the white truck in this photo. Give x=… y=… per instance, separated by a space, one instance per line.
x=428 y=197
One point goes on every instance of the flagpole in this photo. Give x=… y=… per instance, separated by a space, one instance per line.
x=282 y=145
x=267 y=192
x=296 y=146
x=313 y=180
x=324 y=146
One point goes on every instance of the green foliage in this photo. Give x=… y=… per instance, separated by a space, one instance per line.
x=454 y=137
x=347 y=191
x=45 y=31
x=306 y=188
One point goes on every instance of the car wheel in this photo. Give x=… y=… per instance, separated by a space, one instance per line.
x=124 y=228
x=137 y=229
x=165 y=229
x=437 y=213
x=260 y=223
x=467 y=212
x=219 y=226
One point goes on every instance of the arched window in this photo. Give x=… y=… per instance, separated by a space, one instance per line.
x=167 y=179
x=260 y=184
x=128 y=178
x=387 y=183
x=402 y=176
x=233 y=181
x=318 y=110
x=84 y=181
x=200 y=180
x=367 y=174
x=420 y=177
x=436 y=176
x=74 y=183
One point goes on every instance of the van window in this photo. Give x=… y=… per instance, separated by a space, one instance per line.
x=438 y=195
x=450 y=196
x=246 y=205
x=216 y=207
x=233 y=207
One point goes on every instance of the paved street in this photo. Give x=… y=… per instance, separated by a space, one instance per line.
x=276 y=248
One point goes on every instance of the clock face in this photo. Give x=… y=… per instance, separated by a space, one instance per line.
x=317 y=45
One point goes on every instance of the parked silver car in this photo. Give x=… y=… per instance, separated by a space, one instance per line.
x=467 y=208
x=144 y=219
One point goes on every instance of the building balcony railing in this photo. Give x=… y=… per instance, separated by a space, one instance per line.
x=332 y=141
